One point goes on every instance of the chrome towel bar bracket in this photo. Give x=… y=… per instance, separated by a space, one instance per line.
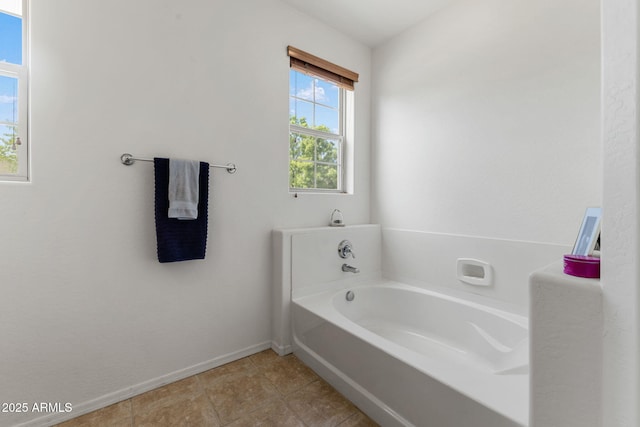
x=128 y=159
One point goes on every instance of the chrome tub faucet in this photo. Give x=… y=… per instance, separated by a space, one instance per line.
x=349 y=269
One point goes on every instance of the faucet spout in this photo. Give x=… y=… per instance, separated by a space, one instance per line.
x=349 y=269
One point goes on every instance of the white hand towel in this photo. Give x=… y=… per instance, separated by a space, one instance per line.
x=184 y=178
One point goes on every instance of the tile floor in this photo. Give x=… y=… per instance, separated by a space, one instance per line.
x=260 y=390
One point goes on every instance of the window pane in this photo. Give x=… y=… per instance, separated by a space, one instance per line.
x=292 y=111
x=8 y=153
x=301 y=147
x=327 y=119
x=292 y=83
x=294 y=146
x=327 y=150
x=315 y=104
x=10 y=39
x=8 y=99
x=327 y=177
x=302 y=113
x=330 y=94
x=301 y=174
x=304 y=86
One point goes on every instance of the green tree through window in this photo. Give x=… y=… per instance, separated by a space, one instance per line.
x=313 y=161
x=8 y=155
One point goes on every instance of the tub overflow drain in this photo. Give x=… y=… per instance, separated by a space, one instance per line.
x=350 y=296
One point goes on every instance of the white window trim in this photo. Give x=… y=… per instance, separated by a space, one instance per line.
x=21 y=72
x=342 y=149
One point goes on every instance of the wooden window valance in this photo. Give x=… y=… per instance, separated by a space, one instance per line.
x=310 y=64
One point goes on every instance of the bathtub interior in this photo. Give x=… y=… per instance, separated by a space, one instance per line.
x=399 y=385
x=427 y=322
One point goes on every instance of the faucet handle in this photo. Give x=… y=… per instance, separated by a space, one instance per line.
x=345 y=249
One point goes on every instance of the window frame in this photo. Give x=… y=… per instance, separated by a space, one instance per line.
x=21 y=73
x=344 y=79
x=319 y=134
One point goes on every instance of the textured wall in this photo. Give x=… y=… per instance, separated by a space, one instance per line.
x=566 y=349
x=620 y=275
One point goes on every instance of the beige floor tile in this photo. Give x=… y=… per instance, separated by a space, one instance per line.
x=194 y=412
x=359 y=420
x=318 y=404
x=260 y=390
x=234 y=395
x=180 y=390
x=288 y=374
x=241 y=365
x=264 y=358
x=276 y=414
x=117 y=415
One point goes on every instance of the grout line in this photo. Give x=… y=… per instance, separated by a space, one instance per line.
x=203 y=390
x=131 y=412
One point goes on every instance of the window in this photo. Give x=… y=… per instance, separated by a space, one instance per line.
x=14 y=158
x=318 y=122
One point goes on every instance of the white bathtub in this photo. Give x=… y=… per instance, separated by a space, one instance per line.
x=408 y=356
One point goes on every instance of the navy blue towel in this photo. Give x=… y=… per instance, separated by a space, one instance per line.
x=180 y=240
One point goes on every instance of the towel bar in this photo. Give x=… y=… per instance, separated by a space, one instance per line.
x=128 y=159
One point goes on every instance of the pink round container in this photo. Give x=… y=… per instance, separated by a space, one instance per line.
x=582 y=266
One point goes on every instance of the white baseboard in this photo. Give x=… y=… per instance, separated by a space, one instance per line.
x=126 y=393
x=282 y=350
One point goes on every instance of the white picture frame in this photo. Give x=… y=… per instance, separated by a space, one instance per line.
x=589 y=232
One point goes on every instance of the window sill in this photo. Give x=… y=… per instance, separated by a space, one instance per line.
x=299 y=192
x=14 y=178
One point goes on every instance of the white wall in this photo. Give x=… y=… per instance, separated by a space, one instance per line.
x=487 y=121
x=620 y=262
x=87 y=314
